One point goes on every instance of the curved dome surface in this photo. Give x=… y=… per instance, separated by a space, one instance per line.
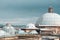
x=3 y=33
x=10 y=29
x=49 y=19
x=31 y=25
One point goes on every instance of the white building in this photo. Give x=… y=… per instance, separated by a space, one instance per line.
x=9 y=29
x=3 y=33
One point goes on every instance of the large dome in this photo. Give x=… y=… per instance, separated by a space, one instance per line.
x=49 y=18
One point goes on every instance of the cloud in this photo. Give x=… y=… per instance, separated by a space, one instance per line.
x=26 y=3
x=19 y=20
x=24 y=8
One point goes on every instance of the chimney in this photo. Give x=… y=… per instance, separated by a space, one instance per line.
x=50 y=10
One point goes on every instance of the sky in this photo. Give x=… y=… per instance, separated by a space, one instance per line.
x=25 y=11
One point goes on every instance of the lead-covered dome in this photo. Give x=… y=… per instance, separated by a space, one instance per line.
x=49 y=18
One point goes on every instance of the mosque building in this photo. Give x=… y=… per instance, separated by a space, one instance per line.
x=49 y=23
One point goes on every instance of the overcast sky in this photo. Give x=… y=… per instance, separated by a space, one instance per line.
x=25 y=11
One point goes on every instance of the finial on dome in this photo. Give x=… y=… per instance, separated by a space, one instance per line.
x=50 y=9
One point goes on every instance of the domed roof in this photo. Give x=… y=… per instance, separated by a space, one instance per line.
x=49 y=18
x=31 y=25
x=10 y=29
x=3 y=33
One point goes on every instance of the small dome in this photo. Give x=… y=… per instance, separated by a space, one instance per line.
x=10 y=29
x=31 y=25
x=3 y=33
x=49 y=18
x=21 y=31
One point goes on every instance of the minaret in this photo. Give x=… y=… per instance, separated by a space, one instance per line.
x=50 y=10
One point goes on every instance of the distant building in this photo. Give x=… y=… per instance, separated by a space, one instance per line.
x=9 y=29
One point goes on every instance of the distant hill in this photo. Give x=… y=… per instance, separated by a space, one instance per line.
x=19 y=26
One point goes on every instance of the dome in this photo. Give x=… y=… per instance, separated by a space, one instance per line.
x=10 y=29
x=3 y=33
x=49 y=18
x=21 y=31
x=31 y=25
